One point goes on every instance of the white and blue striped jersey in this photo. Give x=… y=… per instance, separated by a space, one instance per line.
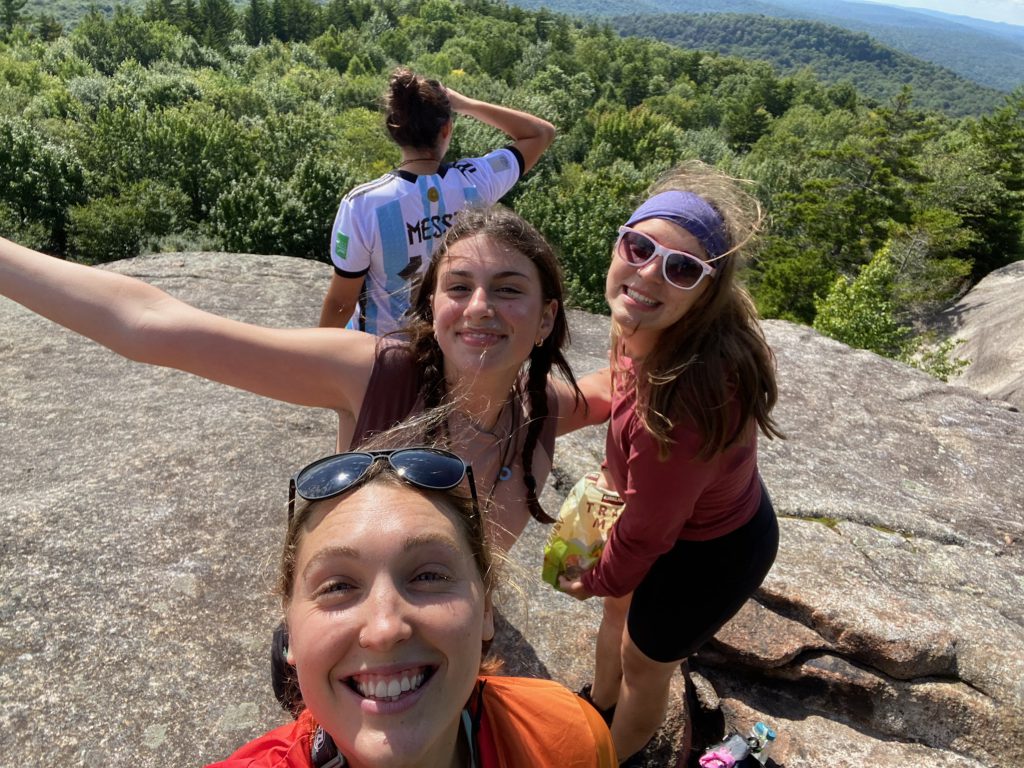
x=388 y=229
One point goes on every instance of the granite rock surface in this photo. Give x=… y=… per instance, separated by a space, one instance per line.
x=988 y=319
x=141 y=512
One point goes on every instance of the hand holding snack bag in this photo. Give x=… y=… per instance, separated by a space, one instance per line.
x=582 y=527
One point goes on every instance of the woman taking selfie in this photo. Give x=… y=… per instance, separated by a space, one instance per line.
x=386 y=582
x=487 y=327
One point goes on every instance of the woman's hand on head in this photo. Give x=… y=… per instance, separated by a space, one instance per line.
x=530 y=134
x=456 y=100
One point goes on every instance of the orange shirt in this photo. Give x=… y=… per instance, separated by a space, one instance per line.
x=525 y=723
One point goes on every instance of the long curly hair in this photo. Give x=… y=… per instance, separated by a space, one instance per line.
x=716 y=352
x=506 y=227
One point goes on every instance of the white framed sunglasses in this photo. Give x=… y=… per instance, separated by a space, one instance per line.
x=681 y=269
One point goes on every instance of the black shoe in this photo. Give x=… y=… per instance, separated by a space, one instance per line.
x=606 y=714
x=282 y=674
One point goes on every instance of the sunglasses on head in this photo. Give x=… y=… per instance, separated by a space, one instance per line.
x=681 y=269
x=429 y=468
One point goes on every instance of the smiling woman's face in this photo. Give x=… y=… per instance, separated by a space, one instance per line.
x=641 y=300
x=386 y=623
x=488 y=307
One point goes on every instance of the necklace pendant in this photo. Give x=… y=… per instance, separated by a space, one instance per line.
x=504 y=473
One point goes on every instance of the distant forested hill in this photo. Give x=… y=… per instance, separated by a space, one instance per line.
x=833 y=54
x=68 y=12
x=987 y=53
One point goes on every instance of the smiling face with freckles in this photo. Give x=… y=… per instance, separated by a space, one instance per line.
x=386 y=618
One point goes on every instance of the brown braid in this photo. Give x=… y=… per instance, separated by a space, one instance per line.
x=536 y=391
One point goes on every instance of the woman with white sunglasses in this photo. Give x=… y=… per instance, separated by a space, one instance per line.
x=694 y=381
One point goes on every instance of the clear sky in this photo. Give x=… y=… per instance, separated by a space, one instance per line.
x=1009 y=11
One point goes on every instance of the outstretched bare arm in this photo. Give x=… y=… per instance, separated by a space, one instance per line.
x=314 y=366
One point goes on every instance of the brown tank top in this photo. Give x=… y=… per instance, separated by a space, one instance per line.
x=393 y=392
x=392 y=395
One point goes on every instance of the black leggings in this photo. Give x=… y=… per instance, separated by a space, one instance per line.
x=696 y=587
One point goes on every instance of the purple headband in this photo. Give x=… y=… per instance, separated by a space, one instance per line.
x=689 y=211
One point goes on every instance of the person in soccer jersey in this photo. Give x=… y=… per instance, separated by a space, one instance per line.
x=386 y=230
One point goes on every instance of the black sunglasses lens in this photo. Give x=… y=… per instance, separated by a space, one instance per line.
x=429 y=468
x=636 y=249
x=683 y=270
x=331 y=476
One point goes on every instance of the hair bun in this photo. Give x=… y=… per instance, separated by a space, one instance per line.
x=404 y=79
x=417 y=109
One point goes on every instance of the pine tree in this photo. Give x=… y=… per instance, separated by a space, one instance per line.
x=190 y=21
x=48 y=28
x=257 y=23
x=295 y=20
x=1002 y=134
x=10 y=13
x=217 y=21
x=163 y=10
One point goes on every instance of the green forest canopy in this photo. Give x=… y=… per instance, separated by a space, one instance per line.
x=190 y=124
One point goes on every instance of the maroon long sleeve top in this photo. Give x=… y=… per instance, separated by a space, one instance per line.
x=681 y=498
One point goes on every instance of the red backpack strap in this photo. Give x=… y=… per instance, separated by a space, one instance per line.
x=531 y=722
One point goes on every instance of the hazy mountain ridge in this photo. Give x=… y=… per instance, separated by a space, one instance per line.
x=833 y=54
x=987 y=53
x=1012 y=32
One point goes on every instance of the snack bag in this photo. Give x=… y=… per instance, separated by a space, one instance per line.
x=582 y=527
